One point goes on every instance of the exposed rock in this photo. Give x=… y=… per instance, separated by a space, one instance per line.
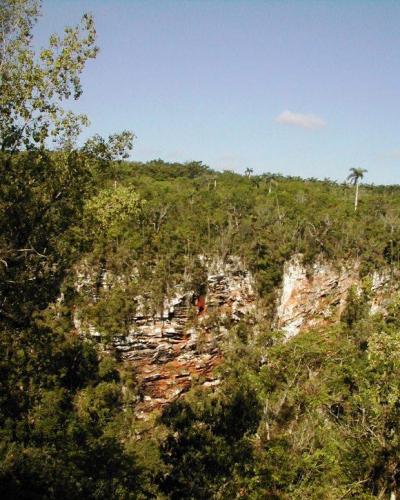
x=171 y=348
x=175 y=346
x=315 y=295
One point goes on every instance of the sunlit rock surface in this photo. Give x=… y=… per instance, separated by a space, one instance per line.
x=315 y=295
x=172 y=348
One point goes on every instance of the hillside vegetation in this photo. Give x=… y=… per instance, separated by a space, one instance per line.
x=290 y=419
x=314 y=417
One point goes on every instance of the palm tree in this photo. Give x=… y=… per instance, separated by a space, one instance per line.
x=248 y=172
x=272 y=182
x=356 y=174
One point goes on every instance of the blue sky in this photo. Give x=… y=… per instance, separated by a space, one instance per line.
x=308 y=88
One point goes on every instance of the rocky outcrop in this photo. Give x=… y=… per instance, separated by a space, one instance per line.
x=315 y=295
x=181 y=343
x=172 y=348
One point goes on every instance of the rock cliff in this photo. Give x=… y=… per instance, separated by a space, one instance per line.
x=171 y=348
x=314 y=295
x=182 y=342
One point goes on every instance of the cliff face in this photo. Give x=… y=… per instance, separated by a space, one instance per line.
x=171 y=348
x=181 y=343
x=312 y=296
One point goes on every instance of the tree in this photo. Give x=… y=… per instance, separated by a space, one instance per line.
x=272 y=182
x=42 y=192
x=113 y=207
x=356 y=174
x=109 y=152
x=248 y=172
x=58 y=412
x=34 y=85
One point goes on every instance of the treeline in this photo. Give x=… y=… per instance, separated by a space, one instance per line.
x=188 y=210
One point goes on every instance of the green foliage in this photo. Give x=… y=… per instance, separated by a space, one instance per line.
x=316 y=417
x=208 y=442
x=60 y=421
x=313 y=418
x=32 y=86
x=185 y=211
x=60 y=408
x=115 y=148
x=40 y=197
x=356 y=174
x=357 y=306
x=111 y=208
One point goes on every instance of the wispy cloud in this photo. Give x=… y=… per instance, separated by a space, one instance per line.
x=300 y=120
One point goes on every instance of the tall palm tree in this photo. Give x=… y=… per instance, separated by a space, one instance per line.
x=248 y=171
x=272 y=182
x=356 y=174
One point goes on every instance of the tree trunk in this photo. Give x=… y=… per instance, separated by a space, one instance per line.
x=356 y=199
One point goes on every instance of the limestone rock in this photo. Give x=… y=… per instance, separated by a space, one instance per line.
x=312 y=296
x=171 y=348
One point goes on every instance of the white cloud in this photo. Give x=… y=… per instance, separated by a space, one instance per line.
x=300 y=120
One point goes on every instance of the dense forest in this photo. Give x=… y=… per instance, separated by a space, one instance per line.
x=314 y=417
